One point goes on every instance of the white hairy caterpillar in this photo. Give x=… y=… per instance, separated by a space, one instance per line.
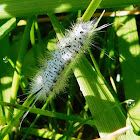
x=48 y=78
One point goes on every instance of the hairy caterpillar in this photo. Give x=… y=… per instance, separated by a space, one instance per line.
x=74 y=41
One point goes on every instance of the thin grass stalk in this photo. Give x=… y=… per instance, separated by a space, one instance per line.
x=72 y=92
x=90 y=10
x=86 y=16
x=39 y=36
x=18 y=66
x=54 y=120
x=110 y=49
x=4 y=80
x=25 y=107
x=7 y=27
x=46 y=134
x=35 y=120
x=71 y=96
x=59 y=29
x=15 y=120
x=33 y=42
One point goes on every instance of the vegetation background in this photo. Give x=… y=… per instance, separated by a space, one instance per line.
x=104 y=90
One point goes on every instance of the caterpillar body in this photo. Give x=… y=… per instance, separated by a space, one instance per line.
x=74 y=40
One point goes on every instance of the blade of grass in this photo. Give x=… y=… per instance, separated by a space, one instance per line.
x=25 y=107
x=110 y=65
x=59 y=29
x=129 y=50
x=9 y=8
x=33 y=42
x=47 y=134
x=33 y=123
x=90 y=10
x=16 y=77
x=15 y=120
x=72 y=92
x=130 y=133
x=39 y=36
x=5 y=81
x=99 y=98
x=7 y=27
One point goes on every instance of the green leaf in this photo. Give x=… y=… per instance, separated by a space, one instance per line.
x=9 y=8
x=108 y=114
x=129 y=51
x=7 y=27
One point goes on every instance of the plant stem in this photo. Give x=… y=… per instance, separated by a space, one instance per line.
x=18 y=66
x=16 y=117
x=58 y=27
x=7 y=27
x=32 y=38
x=91 y=9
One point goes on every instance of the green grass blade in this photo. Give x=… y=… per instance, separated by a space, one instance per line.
x=129 y=50
x=7 y=27
x=15 y=120
x=47 y=134
x=33 y=42
x=25 y=107
x=58 y=27
x=99 y=98
x=17 y=72
x=9 y=8
x=5 y=81
x=90 y=10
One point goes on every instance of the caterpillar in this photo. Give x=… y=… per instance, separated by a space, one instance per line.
x=74 y=41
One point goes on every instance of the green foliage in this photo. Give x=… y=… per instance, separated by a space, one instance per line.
x=100 y=110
